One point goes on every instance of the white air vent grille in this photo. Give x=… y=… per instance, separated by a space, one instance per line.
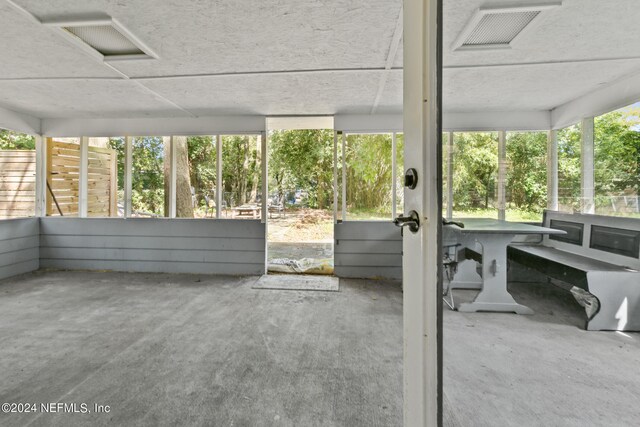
x=499 y=28
x=105 y=39
x=102 y=37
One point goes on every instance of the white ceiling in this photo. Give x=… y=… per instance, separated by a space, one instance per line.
x=291 y=57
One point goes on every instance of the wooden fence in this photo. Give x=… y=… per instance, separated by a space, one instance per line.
x=63 y=166
x=17 y=183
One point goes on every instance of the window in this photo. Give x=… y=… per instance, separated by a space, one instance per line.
x=526 y=183
x=17 y=174
x=196 y=176
x=102 y=179
x=63 y=173
x=617 y=162
x=150 y=176
x=369 y=176
x=242 y=176
x=475 y=170
x=399 y=178
x=569 y=181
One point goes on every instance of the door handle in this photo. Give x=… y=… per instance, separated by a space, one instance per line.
x=412 y=221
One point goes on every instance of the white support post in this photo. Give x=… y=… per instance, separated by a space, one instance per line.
x=128 y=175
x=450 y=176
x=502 y=174
x=218 y=176
x=265 y=177
x=421 y=260
x=335 y=176
x=41 y=176
x=552 y=170
x=394 y=173
x=173 y=176
x=587 y=166
x=83 y=177
x=344 y=176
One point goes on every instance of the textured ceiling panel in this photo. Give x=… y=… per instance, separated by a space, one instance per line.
x=322 y=93
x=542 y=87
x=83 y=98
x=29 y=50
x=578 y=30
x=214 y=36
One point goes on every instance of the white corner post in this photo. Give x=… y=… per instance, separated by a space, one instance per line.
x=394 y=174
x=264 y=163
x=83 y=178
x=587 y=167
x=344 y=176
x=450 y=176
x=218 y=176
x=173 y=176
x=552 y=170
x=421 y=261
x=128 y=172
x=502 y=174
x=41 y=176
x=335 y=176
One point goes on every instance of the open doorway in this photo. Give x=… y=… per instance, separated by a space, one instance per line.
x=300 y=200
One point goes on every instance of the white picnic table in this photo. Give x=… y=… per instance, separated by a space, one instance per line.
x=493 y=236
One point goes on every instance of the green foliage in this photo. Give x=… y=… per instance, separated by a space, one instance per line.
x=10 y=140
x=526 y=171
x=302 y=160
x=202 y=167
x=475 y=168
x=616 y=155
x=569 y=147
x=241 y=174
x=369 y=174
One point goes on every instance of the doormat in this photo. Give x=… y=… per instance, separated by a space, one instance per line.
x=298 y=283
x=304 y=266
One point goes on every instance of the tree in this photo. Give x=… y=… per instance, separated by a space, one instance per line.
x=527 y=170
x=475 y=169
x=302 y=159
x=617 y=155
x=10 y=140
x=184 y=201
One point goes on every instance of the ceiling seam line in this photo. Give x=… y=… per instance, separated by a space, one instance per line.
x=527 y=64
x=391 y=56
x=156 y=94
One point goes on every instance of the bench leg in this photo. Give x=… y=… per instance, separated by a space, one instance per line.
x=619 y=297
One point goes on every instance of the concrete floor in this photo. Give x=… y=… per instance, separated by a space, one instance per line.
x=186 y=350
x=539 y=370
x=179 y=349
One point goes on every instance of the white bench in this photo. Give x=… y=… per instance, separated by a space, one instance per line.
x=599 y=255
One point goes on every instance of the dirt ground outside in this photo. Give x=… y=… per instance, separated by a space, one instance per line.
x=301 y=225
x=301 y=241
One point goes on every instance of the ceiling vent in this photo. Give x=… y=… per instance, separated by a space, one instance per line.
x=104 y=38
x=497 y=28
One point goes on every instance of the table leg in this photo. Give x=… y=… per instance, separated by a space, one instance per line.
x=494 y=295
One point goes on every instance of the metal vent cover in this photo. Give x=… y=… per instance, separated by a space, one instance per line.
x=499 y=28
x=106 y=39
x=103 y=37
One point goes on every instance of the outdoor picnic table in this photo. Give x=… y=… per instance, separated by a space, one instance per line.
x=252 y=211
x=494 y=236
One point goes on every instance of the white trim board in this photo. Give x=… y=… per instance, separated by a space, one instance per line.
x=619 y=94
x=496 y=121
x=368 y=123
x=160 y=126
x=19 y=122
